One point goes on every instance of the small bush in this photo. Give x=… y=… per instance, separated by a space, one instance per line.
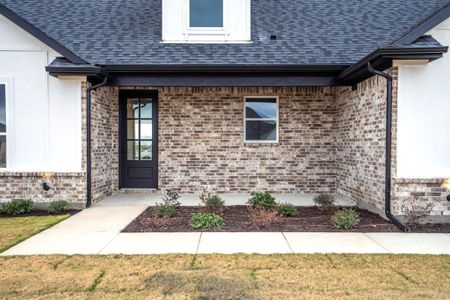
x=416 y=210
x=169 y=206
x=345 y=218
x=213 y=203
x=155 y=221
x=263 y=200
x=58 y=207
x=261 y=217
x=206 y=221
x=325 y=200
x=165 y=210
x=18 y=207
x=171 y=197
x=287 y=210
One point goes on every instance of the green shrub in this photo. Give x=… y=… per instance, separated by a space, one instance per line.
x=263 y=200
x=213 y=203
x=206 y=221
x=345 y=218
x=165 y=210
x=18 y=207
x=325 y=200
x=287 y=210
x=58 y=207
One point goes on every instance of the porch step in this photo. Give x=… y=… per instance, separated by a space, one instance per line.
x=137 y=191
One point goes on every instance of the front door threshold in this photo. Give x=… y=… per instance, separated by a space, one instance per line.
x=131 y=191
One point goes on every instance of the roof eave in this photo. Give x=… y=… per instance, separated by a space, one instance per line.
x=382 y=58
x=82 y=70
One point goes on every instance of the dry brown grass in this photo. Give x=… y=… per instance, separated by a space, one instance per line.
x=15 y=230
x=225 y=277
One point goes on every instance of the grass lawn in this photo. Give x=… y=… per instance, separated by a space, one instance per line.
x=226 y=277
x=16 y=230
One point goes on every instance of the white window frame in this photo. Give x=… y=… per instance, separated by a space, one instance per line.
x=276 y=119
x=176 y=24
x=8 y=83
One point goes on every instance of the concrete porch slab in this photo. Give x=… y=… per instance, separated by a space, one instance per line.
x=324 y=242
x=243 y=242
x=153 y=243
x=193 y=199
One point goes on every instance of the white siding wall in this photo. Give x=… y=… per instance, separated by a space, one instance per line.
x=424 y=115
x=44 y=116
x=236 y=23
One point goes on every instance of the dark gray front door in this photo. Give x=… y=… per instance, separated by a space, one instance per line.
x=138 y=131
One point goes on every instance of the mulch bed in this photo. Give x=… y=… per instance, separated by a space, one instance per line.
x=310 y=219
x=41 y=213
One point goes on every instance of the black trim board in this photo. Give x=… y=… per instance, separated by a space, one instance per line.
x=31 y=29
x=424 y=27
x=221 y=80
x=334 y=68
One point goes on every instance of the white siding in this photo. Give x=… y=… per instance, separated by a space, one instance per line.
x=44 y=117
x=236 y=23
x=424 y=115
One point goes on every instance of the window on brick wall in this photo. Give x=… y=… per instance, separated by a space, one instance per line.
x=261 y=120
x=2 y=125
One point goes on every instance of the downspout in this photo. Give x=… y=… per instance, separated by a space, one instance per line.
x=88 y=141
x=388 y=163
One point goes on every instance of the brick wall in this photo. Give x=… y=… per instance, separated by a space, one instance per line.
x=432 y=191
x=201 y=141
x=105 y=143
x=360 y=142
x=70 y=187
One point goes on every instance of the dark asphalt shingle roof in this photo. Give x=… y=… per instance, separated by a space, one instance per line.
x=309 y=31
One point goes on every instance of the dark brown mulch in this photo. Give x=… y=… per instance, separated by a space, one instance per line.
x=310 y=219
x=40 y=213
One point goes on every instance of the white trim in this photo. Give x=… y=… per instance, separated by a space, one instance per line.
x=8 y=82
x=201 y=31
x=176 y=24
x=276 y=119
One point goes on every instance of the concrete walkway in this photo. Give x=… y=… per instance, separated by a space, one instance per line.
x=97 y=231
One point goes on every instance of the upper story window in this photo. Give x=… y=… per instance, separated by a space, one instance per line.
x=206 y=21
x=2 y=125
x=206 y=13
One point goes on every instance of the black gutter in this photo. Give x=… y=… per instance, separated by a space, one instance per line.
x=82 y=70
x=388 y=162
x=88 y=141
x=427 y=53
x=30 y=28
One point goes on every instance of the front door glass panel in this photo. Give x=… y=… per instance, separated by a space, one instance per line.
x=139 y=129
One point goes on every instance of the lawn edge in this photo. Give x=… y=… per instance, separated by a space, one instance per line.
x=49 y=225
